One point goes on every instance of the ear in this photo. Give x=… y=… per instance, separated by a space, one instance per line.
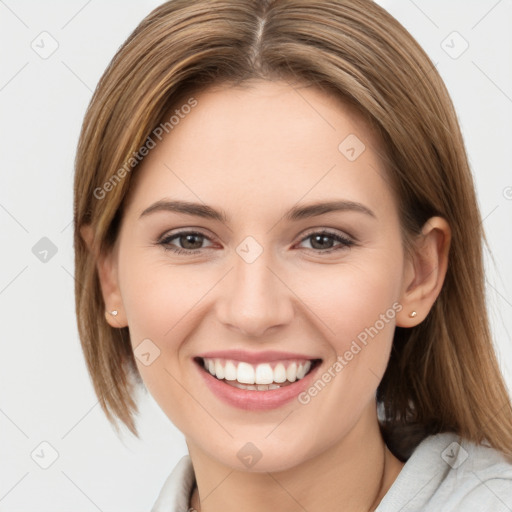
x=424 y=271
x=106 y=265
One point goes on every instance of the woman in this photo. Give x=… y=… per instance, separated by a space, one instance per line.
x=276 y=232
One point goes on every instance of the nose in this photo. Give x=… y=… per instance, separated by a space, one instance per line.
x=255 y=297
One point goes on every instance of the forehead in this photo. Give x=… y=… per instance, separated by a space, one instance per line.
x=265 y=140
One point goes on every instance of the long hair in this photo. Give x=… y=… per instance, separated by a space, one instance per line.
x=442 y=374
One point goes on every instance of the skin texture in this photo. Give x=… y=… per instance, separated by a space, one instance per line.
x=255 y=153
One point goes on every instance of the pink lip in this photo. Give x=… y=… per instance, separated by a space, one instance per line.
x=254 y=357
x=256 y=400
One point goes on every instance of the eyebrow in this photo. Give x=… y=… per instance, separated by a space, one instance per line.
x=294 y=214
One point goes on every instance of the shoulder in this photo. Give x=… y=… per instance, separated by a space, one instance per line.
x=483 y=479
x=449 y=473
x=175 y=493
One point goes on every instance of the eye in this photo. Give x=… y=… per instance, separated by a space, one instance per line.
x=322 y=241
x=190 y=241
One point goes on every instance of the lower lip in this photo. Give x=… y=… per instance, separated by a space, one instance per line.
x=256 y=400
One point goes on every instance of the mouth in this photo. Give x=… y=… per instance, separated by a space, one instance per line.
x=264 y=376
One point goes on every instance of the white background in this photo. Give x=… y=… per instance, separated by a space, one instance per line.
x=45 y=390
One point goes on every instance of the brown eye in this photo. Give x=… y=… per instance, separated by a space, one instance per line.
x=191 y=241
x=188 y=242
x=324 y=241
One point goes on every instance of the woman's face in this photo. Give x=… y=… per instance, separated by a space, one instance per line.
x=251 y=275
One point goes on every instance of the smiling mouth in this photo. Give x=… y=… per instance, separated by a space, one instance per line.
x=257 y=377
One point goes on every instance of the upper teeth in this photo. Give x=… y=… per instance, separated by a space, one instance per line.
x=246 y=373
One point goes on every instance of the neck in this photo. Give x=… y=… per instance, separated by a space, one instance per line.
x=356 y=472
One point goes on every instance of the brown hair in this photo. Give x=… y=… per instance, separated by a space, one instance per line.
x=442 y=374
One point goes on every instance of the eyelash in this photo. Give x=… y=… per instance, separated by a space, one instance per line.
x=345 y=242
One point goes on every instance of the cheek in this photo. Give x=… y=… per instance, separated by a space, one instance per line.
x=352 y=298
x=157 y=298
x=163 y=304
x=357 y=304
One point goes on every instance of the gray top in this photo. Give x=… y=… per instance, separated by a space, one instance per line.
x=445 y=473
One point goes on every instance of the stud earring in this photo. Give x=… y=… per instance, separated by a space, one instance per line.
x=413 y=314
x=114 y=312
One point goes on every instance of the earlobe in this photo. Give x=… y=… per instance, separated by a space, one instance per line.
x=106 y=266
x=424 y=272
